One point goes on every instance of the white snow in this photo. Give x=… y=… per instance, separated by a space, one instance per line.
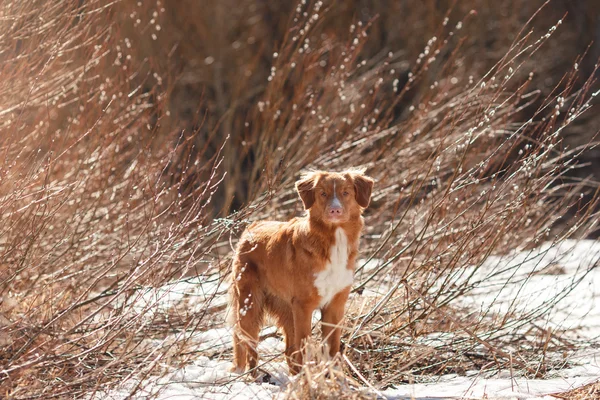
x=532 y=281
x=193 y=295
x=477 y=388
x=527 y=282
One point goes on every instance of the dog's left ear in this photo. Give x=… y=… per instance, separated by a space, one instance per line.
x=363 y=186
x=306 y=190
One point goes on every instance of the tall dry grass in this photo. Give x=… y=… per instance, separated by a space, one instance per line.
x=103 y=199
x=93 y=205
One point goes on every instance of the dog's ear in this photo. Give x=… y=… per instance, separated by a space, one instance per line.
x=363 y=186
x=306 y=190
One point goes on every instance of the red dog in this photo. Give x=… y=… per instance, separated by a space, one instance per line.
x=289 y=269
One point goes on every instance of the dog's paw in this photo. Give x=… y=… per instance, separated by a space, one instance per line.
x=236 y=370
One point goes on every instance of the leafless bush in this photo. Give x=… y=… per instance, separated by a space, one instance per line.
x=324 y=378
x=588 y=392
x=92 y=207
x=459 y=178
x=223 y=53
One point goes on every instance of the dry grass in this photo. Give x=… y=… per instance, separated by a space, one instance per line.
x=104 y=201
x=322 y=378
x=92 y=208
x=587 y=392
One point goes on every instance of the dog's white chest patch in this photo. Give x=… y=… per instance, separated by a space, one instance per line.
x=336 y=276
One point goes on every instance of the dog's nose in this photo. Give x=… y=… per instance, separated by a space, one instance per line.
x=335 y=211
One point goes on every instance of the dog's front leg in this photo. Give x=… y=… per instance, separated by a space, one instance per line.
x=331 y=318
x=302 y=310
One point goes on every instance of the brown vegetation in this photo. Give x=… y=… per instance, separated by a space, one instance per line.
x=587 y=392
x=126 y=129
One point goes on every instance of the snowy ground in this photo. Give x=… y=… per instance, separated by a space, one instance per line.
x=535 y=278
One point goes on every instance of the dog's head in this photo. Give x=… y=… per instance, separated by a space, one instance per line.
x=335 y=197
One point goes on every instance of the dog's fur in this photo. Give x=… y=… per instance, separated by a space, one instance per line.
x=289 y=269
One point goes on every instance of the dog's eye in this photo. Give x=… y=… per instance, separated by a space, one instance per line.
x=323 y=194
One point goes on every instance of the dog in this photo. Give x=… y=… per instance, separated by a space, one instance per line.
x=289 y=269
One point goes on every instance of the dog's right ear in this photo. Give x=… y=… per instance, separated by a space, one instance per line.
x=306 y=190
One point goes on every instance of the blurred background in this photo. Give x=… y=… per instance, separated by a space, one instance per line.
x=218 y=56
